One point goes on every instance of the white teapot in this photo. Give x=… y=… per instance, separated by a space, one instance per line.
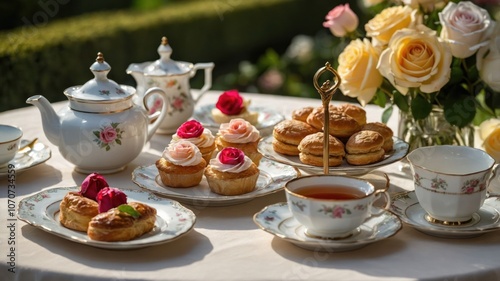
x=102 y=129
x=173 y=78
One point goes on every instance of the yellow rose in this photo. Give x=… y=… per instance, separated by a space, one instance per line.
x=487 y=127
x=416 y=58
x=358 y=70
x=386 y=23
x=492 y=144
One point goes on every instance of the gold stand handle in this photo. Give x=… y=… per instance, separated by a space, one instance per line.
x=326 y=90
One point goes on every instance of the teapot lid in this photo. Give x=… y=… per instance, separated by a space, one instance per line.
x=165 y=65
x=100 y=89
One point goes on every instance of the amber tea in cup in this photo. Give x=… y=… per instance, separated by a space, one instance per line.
x=332 y=207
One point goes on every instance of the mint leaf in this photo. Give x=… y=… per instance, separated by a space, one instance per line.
x=124 y=208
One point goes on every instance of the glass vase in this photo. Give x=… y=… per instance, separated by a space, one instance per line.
x=433 y=130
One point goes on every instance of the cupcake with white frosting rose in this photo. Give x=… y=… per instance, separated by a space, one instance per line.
x=240 y=134
x=194 y=132
x=231 y=172
x=181 y=165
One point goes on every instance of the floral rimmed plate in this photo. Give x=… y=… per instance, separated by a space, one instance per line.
x=265 y=124
x=278 y=220
x=29 y=159
x=406 y=206
x=272 y=178
x=172 y=219
x=400 y=150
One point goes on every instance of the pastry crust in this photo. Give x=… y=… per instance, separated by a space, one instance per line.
x=224 y=183
x=365 y=147
x=302 y=113
x=287 y=149
x=384 y=130
x=292 y=131
x=114 y=225
x=311 y=150
x=180 y=176
x=341 y=125
x=356 y=112
x=76 y=211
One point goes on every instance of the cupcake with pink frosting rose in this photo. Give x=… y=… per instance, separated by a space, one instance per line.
x=231 y=105
x=240 y=134
x=194 y=132
x=231 y=172
x=181 y=165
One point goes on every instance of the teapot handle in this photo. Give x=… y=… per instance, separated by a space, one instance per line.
x=209 y=66
x=159 y=116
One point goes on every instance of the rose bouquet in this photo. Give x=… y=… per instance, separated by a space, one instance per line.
x=422 y=55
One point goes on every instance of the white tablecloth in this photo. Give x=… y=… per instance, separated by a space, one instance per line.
x=225 y=243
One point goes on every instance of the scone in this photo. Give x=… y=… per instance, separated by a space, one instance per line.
x=341 y=125
x=356 y=112
x=311 y=150
x=365 y=147
x=181 y=165
x=240 y=134
x=231 y=173
x=288 y=134
x=194 y=132
x=76 y=211
x=120 y=224
x=231 y=105
x=302 y=113
x=384 y=130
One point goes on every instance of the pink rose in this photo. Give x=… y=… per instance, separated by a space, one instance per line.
x=230 y=102
x=110 y=197
x=182 y=150
x=337 y=212
x=92 y=184
x=341 y=20
x=190 y=129
x=157 y=105
x=239 y=126
x=108 y=135
x=231 y=156
x=178 y=103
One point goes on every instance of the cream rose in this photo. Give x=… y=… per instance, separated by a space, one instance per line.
x=416 y=58
x=466 y=28
x=384 y=24
x=427 y=5
x=358 y=70
x=488 y=62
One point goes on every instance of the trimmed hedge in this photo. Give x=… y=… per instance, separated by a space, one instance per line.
x=46 y=59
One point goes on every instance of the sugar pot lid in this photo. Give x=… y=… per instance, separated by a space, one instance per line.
x=100 y=94
x=165 y=66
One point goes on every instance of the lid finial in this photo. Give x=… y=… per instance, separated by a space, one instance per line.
x=164 y=41
x=100 y=57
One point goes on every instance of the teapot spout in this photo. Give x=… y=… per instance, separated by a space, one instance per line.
x=50 y=119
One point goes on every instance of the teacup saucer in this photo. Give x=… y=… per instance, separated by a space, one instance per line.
x=25 y=160
x=278 y=220
x=406 y=206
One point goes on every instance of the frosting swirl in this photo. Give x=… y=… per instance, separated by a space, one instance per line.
x=239 y=131
x=206 y=139
x=182 y=153
x=231 y=160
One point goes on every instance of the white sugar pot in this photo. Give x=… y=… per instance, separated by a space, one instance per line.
x=172 y=77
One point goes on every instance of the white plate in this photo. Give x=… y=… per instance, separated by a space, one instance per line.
x=272 y=178
x=278 y=220
x=29 y=159
x=265 y=124
x=172 y=219
x=406 y=206
x=400 y=149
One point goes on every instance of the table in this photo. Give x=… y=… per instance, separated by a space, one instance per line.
x=225 y=243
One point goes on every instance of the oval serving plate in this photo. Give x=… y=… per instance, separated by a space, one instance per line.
x=399 y=151
x=173 y=220
x=272 y=178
